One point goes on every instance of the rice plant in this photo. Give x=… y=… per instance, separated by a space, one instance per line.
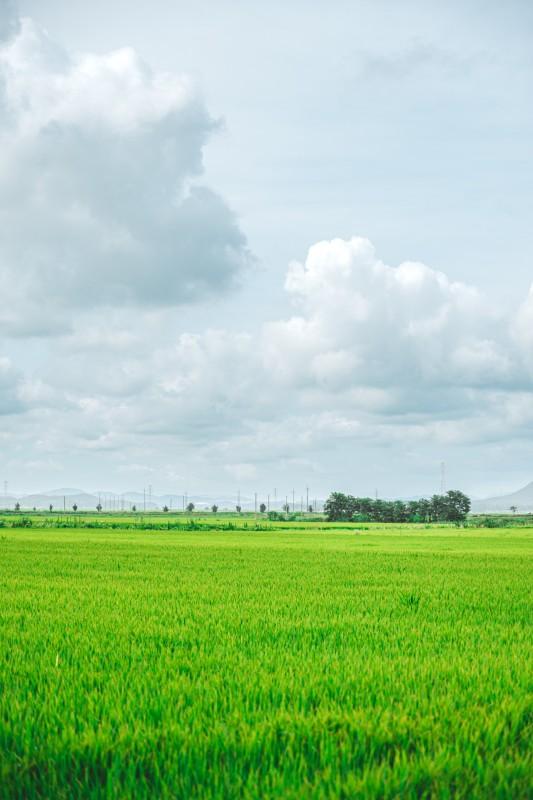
x=273 y=664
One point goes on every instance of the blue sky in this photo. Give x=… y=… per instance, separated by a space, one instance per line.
x=145 y=342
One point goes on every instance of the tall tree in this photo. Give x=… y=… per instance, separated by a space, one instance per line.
x=457 y=505
x=340 y=507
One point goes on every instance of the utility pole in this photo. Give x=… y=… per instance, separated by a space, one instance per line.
x=268 y=502
x=144 y=499
x=255 y=502
x=275 y=496
x=293 y=501
x=307 y=499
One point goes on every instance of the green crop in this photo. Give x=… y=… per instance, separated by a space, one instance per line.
x=284 y=663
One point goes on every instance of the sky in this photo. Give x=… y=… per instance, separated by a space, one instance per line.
x=250 y=246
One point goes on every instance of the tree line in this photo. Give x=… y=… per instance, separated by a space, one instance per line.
x=450 y=507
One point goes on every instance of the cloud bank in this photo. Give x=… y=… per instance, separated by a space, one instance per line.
x=375 y=356
x=106 y=232
x=99 y=196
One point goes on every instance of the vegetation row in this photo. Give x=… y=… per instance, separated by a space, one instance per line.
x=450 y=507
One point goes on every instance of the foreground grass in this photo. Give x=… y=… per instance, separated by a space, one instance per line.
x=265 y=664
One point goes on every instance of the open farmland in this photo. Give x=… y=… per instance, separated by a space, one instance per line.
x=265 y=663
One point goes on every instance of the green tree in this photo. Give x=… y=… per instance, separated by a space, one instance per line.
x=380 y=511
x=437 y=508
x=424 y=509
x=451 y=507
x=340 y=507
x=262 y=508
x=365 y=507
x=456 y=505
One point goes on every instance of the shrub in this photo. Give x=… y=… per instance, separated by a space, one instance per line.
x=23 y=522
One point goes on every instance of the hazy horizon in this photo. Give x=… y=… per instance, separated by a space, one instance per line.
x=274 y=498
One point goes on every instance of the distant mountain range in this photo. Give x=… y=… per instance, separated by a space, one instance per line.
x=66 y=498
x=522 y=500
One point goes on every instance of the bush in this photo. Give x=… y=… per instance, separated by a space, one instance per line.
x=23 y=522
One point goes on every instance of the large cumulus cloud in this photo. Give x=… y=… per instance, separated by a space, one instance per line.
x=375 y=357
x=373 y=349
x=99 y=198
x=364 y=322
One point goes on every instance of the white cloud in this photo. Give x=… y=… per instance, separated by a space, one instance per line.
x=365 y=323
x=420 y=137
x=99 y=199
x=105 y=227
x=377 y=355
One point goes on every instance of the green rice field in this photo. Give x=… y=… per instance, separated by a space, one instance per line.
x=291 y=662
